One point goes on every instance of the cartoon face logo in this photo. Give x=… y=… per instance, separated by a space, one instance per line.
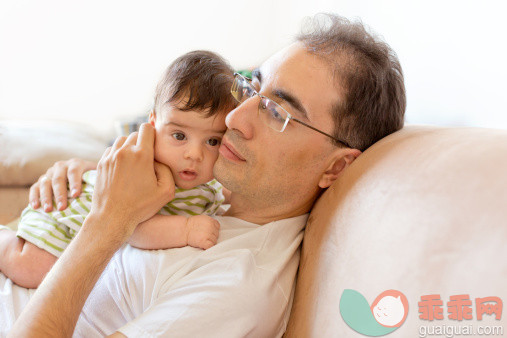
x=385 y=315
x=390 y=308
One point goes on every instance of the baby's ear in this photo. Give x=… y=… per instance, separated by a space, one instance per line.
x=340 y=160
x=152 y=117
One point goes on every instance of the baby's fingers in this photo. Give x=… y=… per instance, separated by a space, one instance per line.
x=208 y=244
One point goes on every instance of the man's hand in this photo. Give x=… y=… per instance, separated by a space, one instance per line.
x=131 y=187
x=202 y=231
x=54 y=181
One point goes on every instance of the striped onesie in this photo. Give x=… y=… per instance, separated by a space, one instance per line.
x=53 y=231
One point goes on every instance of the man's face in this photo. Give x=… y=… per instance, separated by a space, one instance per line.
x=281 y=170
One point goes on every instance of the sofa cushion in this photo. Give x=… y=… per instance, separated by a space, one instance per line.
x=29 y=148
x=422 y=212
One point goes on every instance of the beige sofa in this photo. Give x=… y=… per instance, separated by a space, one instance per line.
x=28 y=148
x=423 y=211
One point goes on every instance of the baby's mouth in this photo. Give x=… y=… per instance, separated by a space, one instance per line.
x=188 y=175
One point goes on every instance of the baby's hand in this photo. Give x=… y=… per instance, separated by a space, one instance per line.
x=202 y=231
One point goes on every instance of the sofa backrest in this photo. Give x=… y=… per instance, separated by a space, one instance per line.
x=424 y=212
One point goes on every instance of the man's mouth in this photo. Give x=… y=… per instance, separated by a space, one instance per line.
x=188 y=174
x=228 y=151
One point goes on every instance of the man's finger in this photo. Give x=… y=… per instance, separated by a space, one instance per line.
x=118 y=143
x=131 y=139
x=106 y=152
x=165 y=179
x=146 y=138
x=163 y=173
x=33 y=196
x=46 y=193
x=75 y=174
x=58 y=182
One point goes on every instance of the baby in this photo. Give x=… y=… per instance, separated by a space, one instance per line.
x=191 y=102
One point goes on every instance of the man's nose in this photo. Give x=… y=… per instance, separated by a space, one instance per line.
x=244 y=117
x=194 y=152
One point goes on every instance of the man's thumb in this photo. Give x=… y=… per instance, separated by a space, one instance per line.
x=165 y=180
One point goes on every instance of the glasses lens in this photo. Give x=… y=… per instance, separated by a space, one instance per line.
x=241 y=90
x=272 y=114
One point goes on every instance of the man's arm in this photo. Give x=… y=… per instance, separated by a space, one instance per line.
x=57 y=303
x=130 y=188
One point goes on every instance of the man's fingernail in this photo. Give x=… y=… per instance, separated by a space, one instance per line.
x=73 y=192
x=60 y=205
x=46 y=206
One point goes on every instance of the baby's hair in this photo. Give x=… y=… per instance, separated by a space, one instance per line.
x=199 y=80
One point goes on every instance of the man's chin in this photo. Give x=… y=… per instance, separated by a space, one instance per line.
x=224 y=173
x=219 y=167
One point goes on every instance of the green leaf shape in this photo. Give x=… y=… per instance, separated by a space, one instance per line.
x=356 y=312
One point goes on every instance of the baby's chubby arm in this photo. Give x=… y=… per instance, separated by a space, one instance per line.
x=168 y=231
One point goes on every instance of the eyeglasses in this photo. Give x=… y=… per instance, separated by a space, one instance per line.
x=273 y=115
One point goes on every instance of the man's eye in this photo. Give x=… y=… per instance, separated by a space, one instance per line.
x=179 y=136
x=274 y=113
x=249 y=91
x=213 y=142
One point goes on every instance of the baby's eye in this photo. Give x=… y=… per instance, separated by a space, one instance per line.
x=213 y=142
x=179 y=136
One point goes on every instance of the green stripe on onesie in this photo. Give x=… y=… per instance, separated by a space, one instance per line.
x=52 y=231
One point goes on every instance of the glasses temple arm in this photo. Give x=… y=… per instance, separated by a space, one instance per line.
x=320 y=131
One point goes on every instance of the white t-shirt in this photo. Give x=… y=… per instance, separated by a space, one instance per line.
x=242 y=286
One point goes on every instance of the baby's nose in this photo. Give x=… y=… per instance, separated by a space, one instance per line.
x=194 y=152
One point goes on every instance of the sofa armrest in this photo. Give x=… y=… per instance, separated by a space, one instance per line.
x=422 y=212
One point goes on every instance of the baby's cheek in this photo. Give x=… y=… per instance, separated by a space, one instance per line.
x=208 y=167
x=163 y=150
x=208 y=173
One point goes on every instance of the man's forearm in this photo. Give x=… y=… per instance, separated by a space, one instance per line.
x=55 y=307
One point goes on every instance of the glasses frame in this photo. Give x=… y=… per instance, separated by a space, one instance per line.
x=289 y=116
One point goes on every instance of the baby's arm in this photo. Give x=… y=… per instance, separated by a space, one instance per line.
x=23 y=262
x=26 y=263
x=165 y=232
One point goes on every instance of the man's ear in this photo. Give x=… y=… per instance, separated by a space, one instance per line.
x=341 y=159
x=152 y=118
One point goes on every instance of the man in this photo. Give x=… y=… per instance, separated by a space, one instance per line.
x=306 y=116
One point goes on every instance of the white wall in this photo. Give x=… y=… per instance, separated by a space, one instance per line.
x=98 y=61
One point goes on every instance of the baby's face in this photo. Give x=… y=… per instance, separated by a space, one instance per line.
x=188 y=143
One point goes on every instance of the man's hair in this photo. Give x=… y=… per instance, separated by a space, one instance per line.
x=369 y=74
x=199 y=80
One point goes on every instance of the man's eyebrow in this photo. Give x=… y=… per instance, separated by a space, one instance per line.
x=292 y=100
x=282 y=94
